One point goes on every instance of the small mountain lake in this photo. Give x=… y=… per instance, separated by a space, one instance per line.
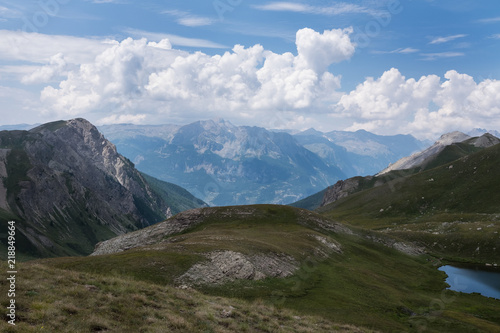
x=473 y=280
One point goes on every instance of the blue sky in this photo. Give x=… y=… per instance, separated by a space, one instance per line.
x=421 y=67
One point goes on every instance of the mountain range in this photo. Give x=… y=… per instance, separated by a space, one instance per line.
x=67 y=188
x=224 y=164
x=358 y=153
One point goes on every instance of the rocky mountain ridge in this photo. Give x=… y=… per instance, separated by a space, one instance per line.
x=67 y=187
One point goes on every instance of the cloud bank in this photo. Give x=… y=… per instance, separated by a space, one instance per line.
x=137 y=76
x=426 y=108
x=140 y=81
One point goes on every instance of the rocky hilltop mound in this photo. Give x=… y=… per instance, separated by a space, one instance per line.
x=233 y=243
x=67 y=188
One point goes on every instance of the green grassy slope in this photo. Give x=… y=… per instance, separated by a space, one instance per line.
x=178 y=198
x=452 y=209
x=55 y=300
x=368 y=285
x=449 y=154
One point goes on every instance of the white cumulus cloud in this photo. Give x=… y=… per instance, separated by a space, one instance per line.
x=390 y=97
x=426 y=108
x=56 y=67
x=114 y=80
x=318 y=51
x=151 y=78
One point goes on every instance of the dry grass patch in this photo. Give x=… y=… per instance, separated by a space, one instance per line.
x=55 y=300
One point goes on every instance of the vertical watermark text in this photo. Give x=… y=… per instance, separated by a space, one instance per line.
x=11 y=272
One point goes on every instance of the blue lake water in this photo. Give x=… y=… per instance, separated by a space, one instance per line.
x=473 y=280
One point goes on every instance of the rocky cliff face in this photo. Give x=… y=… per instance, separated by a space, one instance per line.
x=340 y=190
x=68 y=188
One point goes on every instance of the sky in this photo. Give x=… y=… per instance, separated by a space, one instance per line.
x=420 y=67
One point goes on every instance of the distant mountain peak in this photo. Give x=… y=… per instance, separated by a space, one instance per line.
x=221 y=120
x=452 y=137
x=226 y=164
x=311 y=131
x=480 y=131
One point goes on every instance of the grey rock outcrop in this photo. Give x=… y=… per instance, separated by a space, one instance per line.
x=340 y=190
x=408 y=248
x=228 y=266
x=153 y=234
